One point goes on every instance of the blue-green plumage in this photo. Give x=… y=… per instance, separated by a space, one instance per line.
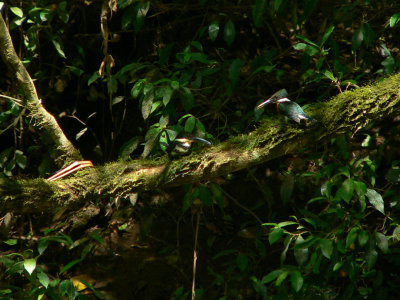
x=286 y=107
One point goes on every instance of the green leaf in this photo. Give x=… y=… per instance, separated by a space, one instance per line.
x=346 y=190
x=371 y=258
x=326 y=248
x=234 y=71
x=360 y=188
x=147 y=100
x=58 y=47
x=30 y=265
x=128 y=147
x=43 y=279
x=297 y=280
x=382 y=242
x=338 y=265
x=242 y=262
x=141 y=12
x=67 y=288
x=326 y=35
x=20 y=159
x=11 y=242
x=351 y=237
x=300 y=254
x=357 y=39
x=229 y=32
x=363 y=238
x=190 y=124
x=166 y=93
x=271 y=276
x=94 y=77
x=274 y=235
x=281 y=278
x=17 y=11
x=187 y=98
x=300 y=46
x=329 y=75
x=394 y=19
x=138 y=87
x=70 y=265
x=259 y=9
x=376 y=200
x=213 y=30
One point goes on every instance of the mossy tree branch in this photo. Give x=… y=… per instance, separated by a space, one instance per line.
x=348 y=112
x=65 y=152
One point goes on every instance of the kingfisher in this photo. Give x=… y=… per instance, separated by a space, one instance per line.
x=286 y=107
x=183 y=144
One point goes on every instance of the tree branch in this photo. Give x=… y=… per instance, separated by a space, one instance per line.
x=348 y=112
x=64 y=150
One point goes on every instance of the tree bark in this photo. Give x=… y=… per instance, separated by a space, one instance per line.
x=64 y=152
x=346 y=113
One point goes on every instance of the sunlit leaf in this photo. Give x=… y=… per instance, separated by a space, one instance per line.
x=17 y=11
x=30 y=265
x=394 y=19
x=58 y=47
x=376 y=200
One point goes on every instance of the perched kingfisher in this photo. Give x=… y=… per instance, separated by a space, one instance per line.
x=286 y=107
x=183 y=144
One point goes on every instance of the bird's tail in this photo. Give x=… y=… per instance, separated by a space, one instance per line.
x=197 y=139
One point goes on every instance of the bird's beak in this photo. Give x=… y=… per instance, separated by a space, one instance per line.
x=197 y=139
x=272 y=101
x=264 y=103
